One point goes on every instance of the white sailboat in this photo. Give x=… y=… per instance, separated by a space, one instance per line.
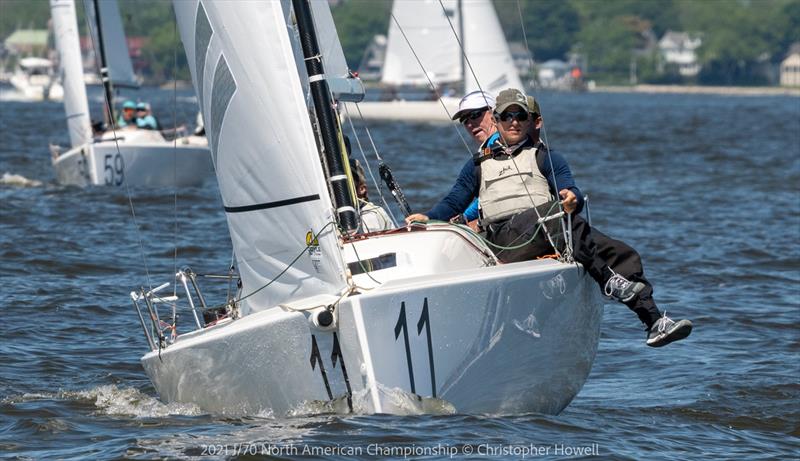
x=423 y=50
x=117 y=156
x=35 y=80
x=380 y=321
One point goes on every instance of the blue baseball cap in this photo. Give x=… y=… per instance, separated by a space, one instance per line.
x=129 y=105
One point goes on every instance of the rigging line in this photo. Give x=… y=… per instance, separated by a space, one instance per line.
x=543 y=130
x=109 y=105
x=289 y=266
x=369 y=169
x=175 y=153
x=432 y=85
x=463 y=51
x=535 y=91
x=533 y=202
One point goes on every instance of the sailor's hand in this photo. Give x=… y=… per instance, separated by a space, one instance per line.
x=570 y=201
x=418 y=217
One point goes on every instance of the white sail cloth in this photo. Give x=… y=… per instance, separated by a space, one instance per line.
x=265 y=155
x=431 y=37
x=118 y=59
x=65 y=30
x=487 y=50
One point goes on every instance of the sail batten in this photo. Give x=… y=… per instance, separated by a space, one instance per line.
x=279 y=213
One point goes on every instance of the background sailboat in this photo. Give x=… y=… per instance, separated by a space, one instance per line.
x=116 y=156
x=35 y=79
x=394 y=316
x=422 y=50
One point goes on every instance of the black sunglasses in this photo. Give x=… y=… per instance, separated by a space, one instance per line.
x=475 y=114
x=520 y=116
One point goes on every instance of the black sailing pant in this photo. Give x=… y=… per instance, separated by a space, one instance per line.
x=596 y=251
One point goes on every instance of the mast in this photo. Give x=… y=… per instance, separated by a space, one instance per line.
x=323 y=107
x=104 y=72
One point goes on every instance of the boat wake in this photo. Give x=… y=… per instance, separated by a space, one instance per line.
x=116 y=401
x=112 y=400
x=394 y=401
x=17 y=180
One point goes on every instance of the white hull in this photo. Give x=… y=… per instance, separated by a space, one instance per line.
x=503 y=339
x=37 y=87
x=136 y=158
x=409 y=111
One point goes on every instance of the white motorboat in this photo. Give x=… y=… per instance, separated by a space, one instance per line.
x=375 y=323
x=35 y=80
x=118 y=156
x=411 y=60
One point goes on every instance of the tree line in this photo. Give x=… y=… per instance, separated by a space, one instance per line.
x=739 y=37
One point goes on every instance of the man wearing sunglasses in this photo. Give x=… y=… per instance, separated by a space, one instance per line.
x=516 y=179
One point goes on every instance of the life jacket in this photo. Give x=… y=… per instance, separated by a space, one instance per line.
x=510 y=184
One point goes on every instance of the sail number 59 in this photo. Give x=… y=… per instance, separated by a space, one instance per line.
x=114 y=169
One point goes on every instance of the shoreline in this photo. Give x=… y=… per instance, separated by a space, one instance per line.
x=696 y=89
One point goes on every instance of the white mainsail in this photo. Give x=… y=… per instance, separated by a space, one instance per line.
x=487 y=50
x=118 y=59
x=431 y=38
x=65 y=30
x=264 y=151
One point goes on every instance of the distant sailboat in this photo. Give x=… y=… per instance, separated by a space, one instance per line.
x=375 y=322
x=488 y=64
x=121 y=156
x=35 y=80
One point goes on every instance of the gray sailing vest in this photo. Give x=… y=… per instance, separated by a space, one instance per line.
x=510 y=185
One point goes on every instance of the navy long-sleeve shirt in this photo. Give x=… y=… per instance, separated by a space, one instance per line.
x=466 y=187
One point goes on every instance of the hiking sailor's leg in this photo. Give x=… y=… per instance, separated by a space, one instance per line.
x=624 y=260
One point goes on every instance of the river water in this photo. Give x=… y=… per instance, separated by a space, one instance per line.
x=707 y=188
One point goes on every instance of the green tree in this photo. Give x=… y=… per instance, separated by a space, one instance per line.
x=22 y=14
x=357 y=21
x=550 y=26
x=608 y=48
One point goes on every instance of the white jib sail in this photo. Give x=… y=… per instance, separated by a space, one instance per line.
x=487 y=50
x=431 y=37
x=118 y=59
x=65 y=30
x=266 y=159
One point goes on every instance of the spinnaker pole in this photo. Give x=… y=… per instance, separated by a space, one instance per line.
x=323 y=107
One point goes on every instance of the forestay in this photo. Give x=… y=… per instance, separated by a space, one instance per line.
x=65 y=30
x=431 y=38
x=487 y=49
x=265 y=156
x=118 y=59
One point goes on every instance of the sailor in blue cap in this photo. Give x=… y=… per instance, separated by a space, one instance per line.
x=144 y=119
x=128 y=116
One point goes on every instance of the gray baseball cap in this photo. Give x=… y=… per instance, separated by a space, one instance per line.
x=510 y=97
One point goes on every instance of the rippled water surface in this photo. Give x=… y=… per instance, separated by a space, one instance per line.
x=707 y=188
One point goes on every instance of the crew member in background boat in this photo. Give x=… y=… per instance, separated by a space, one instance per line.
x=144 y=118
x=127 y=119
x=509 y=152
x=373 y=217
